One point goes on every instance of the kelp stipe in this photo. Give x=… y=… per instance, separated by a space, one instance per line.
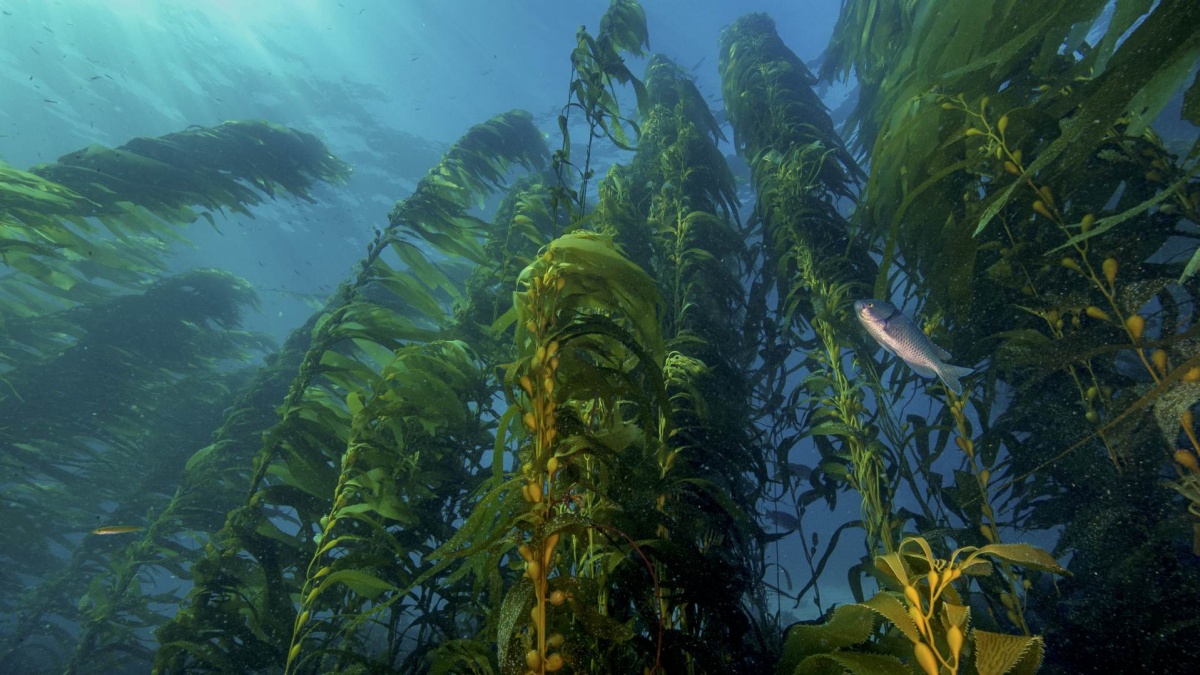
x=583 y=314
x=596 y=71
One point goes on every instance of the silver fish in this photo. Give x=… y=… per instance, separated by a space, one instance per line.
x=897 y=333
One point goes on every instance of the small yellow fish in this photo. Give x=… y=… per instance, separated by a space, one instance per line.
x=117 y=529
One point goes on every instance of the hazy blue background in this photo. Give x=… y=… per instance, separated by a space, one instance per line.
x=387 y=84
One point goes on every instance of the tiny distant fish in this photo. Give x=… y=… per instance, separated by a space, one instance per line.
x=49 y=100
x=783 y=519
x=117 y=529
x=897 y=333
x=800 y=471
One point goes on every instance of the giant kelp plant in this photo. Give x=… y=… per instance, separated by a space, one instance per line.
x=110 y=371
x=1016 y=182
x=555 y=460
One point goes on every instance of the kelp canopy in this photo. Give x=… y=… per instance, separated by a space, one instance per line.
x=560 y=461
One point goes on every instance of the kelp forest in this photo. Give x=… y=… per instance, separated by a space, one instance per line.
x=580 y=431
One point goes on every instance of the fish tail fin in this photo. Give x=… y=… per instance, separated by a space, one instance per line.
x=950 y=374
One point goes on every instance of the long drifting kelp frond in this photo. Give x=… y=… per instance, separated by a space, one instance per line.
x=296 y=470
x=99 y=218
x=677 y=200
x=760 y=75
x=625 y=25
x=202 y=167
x=669 y=85
x=812 y=266
x=402 y=471
x=522 y=225
x=437 y=211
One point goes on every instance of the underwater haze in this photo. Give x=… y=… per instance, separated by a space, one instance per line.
x=364 y=336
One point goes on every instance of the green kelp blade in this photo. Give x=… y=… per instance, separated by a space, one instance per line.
x=1192 y=267
x=1025 y=555
x=850 y=625
x=888 y=606
x=362 y=583
x=1000 y=654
